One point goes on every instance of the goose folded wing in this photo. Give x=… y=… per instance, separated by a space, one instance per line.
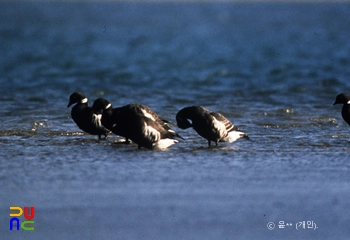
x=228 y=125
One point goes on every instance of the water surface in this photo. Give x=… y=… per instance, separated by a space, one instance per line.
x=273 y=69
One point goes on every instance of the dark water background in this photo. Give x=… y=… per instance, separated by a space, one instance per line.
x=274 y=69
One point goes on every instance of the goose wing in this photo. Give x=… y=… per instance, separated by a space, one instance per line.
x=228 y=125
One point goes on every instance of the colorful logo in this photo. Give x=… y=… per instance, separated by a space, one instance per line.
x=27 y=224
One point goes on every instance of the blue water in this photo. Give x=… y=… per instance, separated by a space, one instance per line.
x=273 y=69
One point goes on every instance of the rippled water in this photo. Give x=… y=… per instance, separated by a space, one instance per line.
x=274 y=69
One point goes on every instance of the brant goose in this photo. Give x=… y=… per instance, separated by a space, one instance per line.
x=137 y=123
x=84 y=117
x=344 y=99
x=210 y=125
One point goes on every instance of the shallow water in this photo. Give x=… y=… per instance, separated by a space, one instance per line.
x=273 y=69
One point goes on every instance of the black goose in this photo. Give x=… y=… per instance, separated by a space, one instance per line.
x=344 y=99
x=84 y=117
x=137 y=123
x=210 y=125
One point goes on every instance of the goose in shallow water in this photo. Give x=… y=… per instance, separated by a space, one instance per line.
x=210 y=125
x=344 y=99
x=83 y=116
x=137 y=123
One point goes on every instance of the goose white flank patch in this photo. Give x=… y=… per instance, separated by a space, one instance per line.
x=344 y=99
x=96 y=119
x=136 y=122
x=155 y=137
x=210 y=125
x=83 y=116
x=151 y=133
